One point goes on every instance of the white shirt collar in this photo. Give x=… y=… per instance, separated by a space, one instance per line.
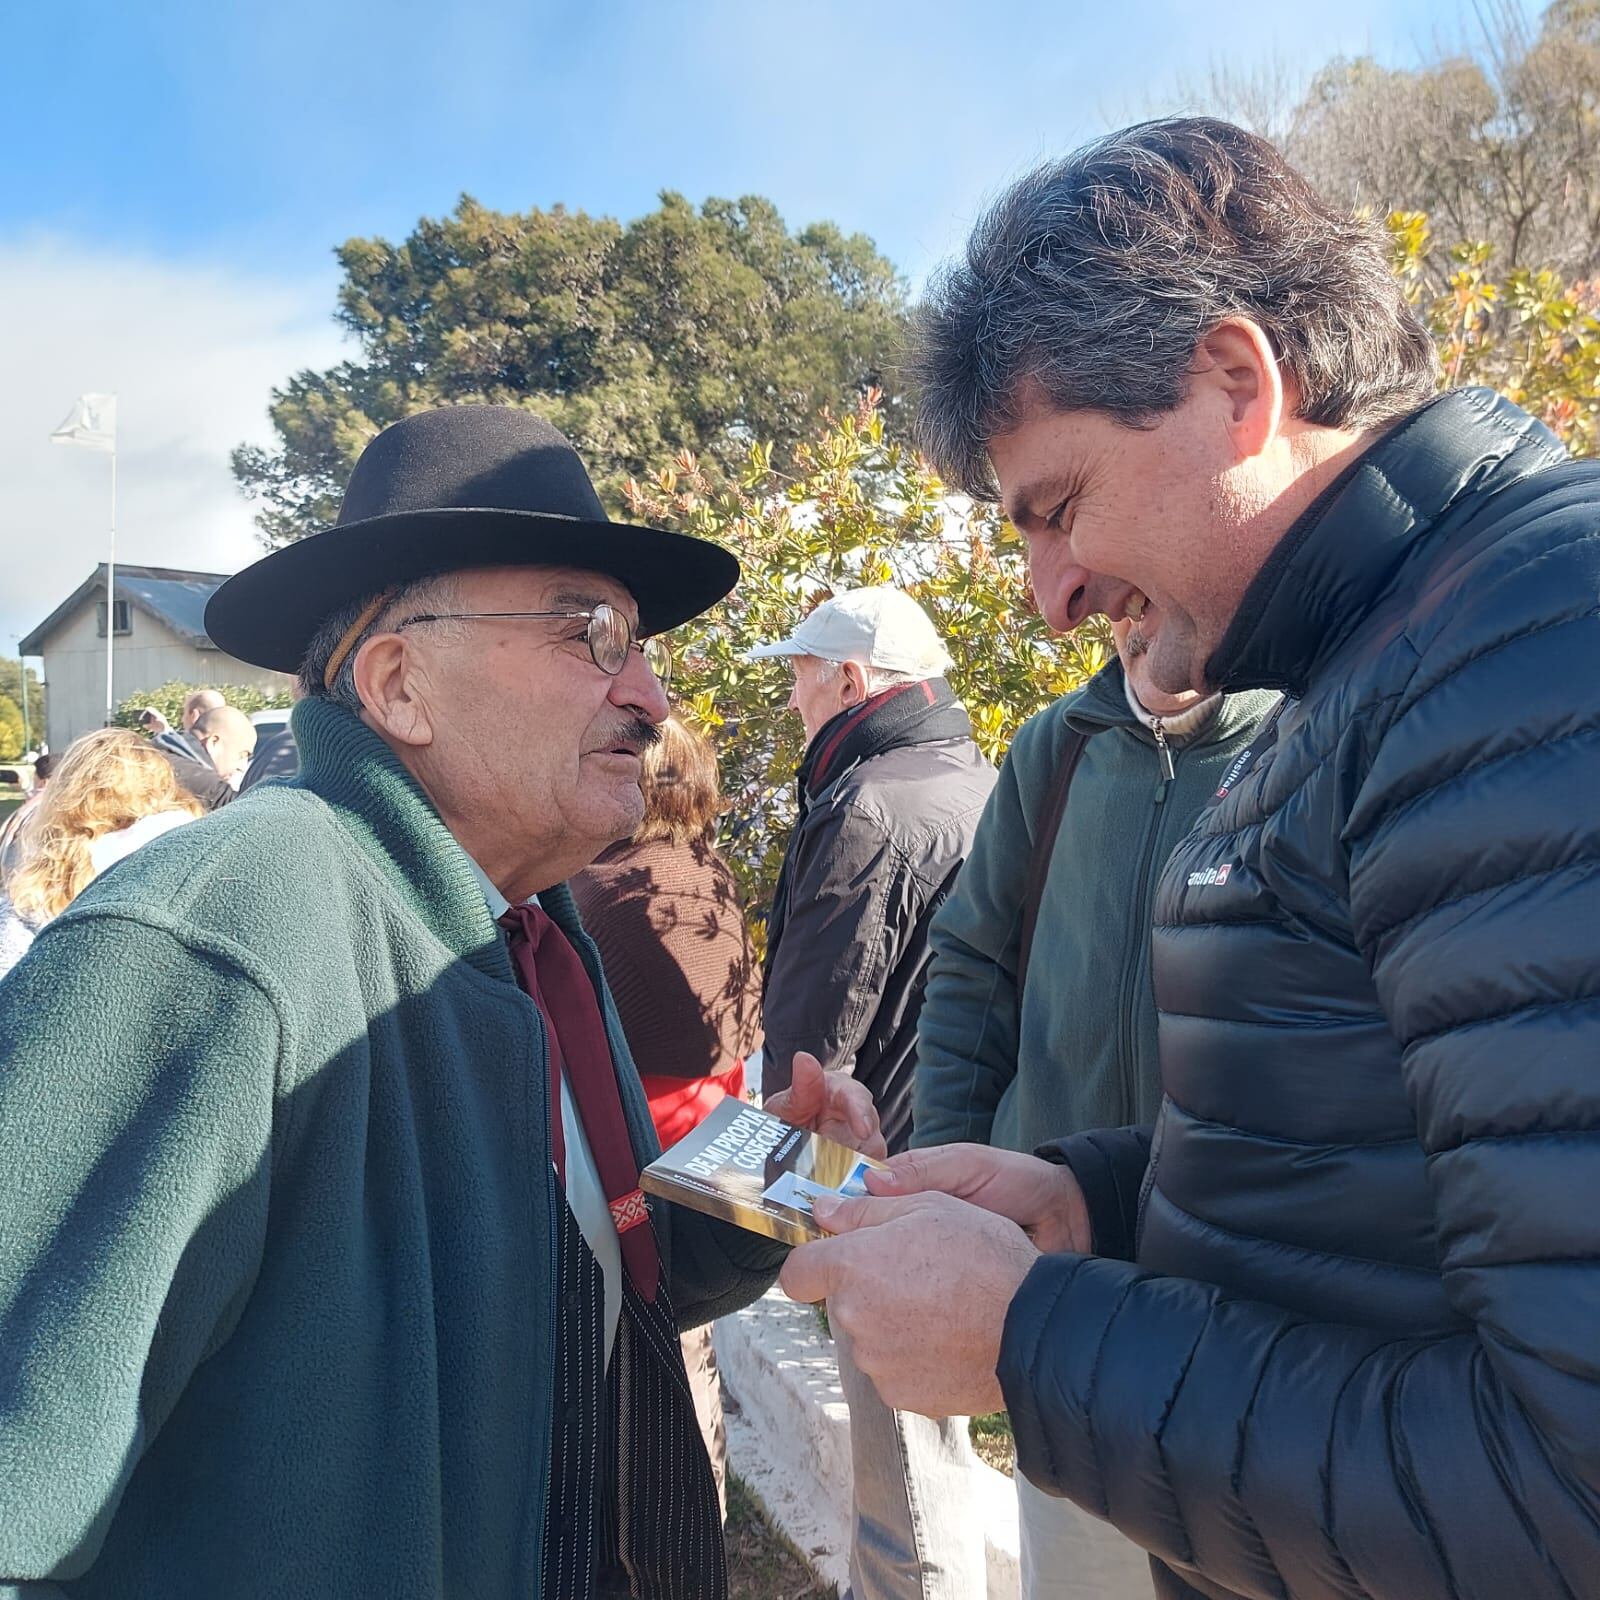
x=498 y=904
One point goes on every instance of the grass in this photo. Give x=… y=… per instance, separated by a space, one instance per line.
x=992 y=1439
x=762 y=1564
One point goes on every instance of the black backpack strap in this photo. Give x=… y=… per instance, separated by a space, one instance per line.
x=1044 y=843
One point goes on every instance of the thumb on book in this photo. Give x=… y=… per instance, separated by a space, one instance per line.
x=849 y=1213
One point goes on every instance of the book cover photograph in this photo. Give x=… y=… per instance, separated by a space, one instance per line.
x=746 y=1166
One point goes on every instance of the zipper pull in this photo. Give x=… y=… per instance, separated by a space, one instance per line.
x=1164 y=750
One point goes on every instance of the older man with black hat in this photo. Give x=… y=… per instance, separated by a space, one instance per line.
x=325 y=1268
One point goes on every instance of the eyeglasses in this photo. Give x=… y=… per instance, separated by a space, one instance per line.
x=609 y=635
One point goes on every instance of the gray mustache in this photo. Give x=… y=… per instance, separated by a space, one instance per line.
x=635 y=731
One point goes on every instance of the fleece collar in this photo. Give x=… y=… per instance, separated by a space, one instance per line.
x=395 y=826
x=1105 y=702
x=1178 y=727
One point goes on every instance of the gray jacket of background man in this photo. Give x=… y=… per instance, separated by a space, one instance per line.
x=1082 y=1054
x=871 y=859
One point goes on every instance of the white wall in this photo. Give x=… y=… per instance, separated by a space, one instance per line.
x=75 y=669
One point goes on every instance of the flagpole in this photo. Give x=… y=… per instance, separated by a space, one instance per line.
x=93 y=423
x=111 y=590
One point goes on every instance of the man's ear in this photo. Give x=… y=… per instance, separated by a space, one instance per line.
x=855 y=682
x=1235 y=366
x=392 y=689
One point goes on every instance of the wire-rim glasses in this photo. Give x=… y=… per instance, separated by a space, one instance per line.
x=609 y=635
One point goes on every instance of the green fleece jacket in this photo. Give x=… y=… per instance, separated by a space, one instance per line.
x=277 y=1214
x=1082 y=1054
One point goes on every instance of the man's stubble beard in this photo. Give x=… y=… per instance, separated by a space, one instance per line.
x=1177 y=658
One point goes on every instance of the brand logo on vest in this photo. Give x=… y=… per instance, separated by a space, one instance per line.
x=1241 y=763
x=1206 y=876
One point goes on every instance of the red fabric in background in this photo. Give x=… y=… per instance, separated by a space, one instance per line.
x=679 y=1105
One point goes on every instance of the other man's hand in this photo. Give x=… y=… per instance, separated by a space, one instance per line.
x=1043 y=1199
x=830 y=1103
x=921 y=1285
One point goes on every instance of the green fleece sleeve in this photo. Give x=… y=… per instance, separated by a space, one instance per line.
x=137 y=1087
x=968 y=1032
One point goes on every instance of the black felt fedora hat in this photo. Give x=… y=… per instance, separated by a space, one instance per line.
x=464 y=486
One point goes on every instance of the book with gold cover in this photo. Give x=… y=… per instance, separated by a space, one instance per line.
x=746 y=1166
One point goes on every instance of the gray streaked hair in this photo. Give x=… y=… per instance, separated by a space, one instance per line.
x=1096 y=277
x=877 y=678
x=437 y=593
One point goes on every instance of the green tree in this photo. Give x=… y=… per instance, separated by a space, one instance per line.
x=1497 y=139
x=1525 y=332
x=851 y=505
x=700 y=329
x=10 y=729
x=11 y=676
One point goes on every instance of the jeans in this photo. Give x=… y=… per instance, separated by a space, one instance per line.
x=915 y=1534
x=1067 y=1554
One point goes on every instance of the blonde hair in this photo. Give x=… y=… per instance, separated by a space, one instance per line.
x=106 y=781
x=682 y=792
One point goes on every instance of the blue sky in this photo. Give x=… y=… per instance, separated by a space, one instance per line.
x=177 y=173
x=189 y=127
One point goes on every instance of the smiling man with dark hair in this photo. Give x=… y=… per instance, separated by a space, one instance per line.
x=1327 y=1329
x=325 y=1268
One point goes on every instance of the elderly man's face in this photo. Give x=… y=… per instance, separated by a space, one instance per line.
x=1144 y=523
x=529 y=736
x=822 y=689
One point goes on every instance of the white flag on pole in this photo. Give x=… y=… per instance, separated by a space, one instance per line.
x=93 y=422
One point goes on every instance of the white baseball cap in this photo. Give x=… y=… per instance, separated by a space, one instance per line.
x=879 y=627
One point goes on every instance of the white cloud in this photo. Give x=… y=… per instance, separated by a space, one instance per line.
x=192 y=353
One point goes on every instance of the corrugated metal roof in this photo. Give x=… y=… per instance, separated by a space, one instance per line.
x=174 y=595
x=179 y=601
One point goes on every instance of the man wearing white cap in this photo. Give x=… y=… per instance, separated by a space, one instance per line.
x=890 y=791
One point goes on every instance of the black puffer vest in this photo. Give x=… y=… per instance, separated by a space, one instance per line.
x=1360 y=1352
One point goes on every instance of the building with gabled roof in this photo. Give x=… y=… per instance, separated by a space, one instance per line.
x=160 y=637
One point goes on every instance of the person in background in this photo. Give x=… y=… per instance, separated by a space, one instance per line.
x=666 y=913
x=890 y=790
x=226 y=740
x=181 y=741
x=1095 y=792
x=112 y=793
x=277 y=756
x=11 y=829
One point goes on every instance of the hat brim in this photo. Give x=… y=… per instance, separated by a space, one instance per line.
x=781 y=647
x=268 y=614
